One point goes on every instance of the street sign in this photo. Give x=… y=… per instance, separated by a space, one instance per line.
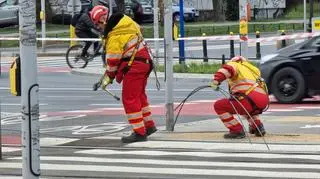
x=316 y=24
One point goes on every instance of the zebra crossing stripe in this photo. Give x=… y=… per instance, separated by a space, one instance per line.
x=168 y=171
x=315 y=157
x=179 y=163
x=227 y=146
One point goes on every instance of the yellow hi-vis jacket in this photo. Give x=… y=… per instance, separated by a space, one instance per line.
x=242 y=77
x=122 y=37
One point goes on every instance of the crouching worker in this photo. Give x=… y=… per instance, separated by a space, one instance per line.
x=129 y=62
x=246 y=85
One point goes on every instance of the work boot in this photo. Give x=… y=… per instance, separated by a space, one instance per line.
x=151 y=130
x=256 y=132
x=235 y=135
x=134 y=137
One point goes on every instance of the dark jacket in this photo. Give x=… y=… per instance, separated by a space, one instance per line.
x=85 y=24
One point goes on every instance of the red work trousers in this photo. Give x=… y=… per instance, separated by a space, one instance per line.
x=134 y=97
x=226 y=108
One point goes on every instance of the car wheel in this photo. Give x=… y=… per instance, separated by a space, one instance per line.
x=288 y=85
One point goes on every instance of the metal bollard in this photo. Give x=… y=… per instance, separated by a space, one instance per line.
x=223 y=59
x=205 y=49
x=231 y=47
x=283 y=42
x=258 y=47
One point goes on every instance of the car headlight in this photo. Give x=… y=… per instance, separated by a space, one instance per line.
x=267 y=58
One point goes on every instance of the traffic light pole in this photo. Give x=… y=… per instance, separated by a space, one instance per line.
x=169 y=64
x=29 y=93
x=43 y=23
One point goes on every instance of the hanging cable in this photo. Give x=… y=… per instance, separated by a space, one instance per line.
x=225 y=93
x=183 y=101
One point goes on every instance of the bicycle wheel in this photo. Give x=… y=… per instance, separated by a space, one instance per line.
x=73 y=57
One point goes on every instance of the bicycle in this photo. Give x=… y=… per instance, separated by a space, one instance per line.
x=74 y=59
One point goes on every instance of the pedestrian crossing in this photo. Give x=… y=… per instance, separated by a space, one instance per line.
x=167 y=163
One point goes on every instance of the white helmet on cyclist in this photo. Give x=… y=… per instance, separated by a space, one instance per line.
x=97 y=12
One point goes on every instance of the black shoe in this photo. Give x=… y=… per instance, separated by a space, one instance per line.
x=151 y=130
x=235 y=135
x=256 y=131
x=134 y=137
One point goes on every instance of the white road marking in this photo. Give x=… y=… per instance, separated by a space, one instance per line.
x=81 y=111
x=310 y=126
x=19 y=104
x=47 y=141
x=199 y=154
x=226 y=146
x=168 y=171
x=105 y=104
x=177 y=162
x=68 y=96
x=10 y=149
x=308 y=107
x=284 y=110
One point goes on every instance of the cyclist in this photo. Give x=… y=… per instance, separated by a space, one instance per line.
x=85 y=28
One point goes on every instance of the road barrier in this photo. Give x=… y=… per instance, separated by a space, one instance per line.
x=258 y=40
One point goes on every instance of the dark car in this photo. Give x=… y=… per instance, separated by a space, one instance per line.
x=292 y=73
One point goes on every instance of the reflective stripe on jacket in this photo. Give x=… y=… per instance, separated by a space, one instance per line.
x=241 y=77
x=121 y=41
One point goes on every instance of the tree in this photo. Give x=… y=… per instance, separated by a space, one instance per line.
x=218 y=10
x=161 y=11
x=232 y=12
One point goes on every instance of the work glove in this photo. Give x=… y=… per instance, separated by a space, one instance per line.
x=214 y=85
x=105 y=82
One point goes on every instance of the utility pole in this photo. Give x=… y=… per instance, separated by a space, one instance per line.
x=156 y=27
x=43 y=23
x=243 y=28
x=29 y=93
x=169 y=64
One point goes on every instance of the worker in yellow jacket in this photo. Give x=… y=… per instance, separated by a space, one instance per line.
x=250 y=97
x=129 y=62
